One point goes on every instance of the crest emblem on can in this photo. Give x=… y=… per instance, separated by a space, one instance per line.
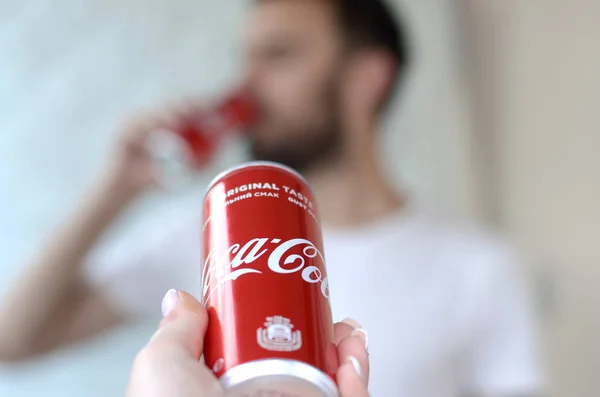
x=278 y=335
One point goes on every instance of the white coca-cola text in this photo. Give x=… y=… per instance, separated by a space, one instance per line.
x=219 y=269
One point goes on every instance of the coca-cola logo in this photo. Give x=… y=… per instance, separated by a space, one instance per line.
x=285 y=257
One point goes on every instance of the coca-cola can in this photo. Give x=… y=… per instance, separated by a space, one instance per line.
x=264 y=285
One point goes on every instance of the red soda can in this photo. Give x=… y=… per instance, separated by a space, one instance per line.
x=195 y=138
x=204 y=129
x=264 y=285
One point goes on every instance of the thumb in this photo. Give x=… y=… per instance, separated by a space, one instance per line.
x=183 y=326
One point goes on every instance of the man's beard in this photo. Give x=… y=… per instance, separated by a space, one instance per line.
x=321 y=149
x=309 y=146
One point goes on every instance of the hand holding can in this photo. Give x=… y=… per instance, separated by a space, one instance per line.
x=169 y=365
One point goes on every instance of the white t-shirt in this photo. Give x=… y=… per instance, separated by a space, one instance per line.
x=445 y=309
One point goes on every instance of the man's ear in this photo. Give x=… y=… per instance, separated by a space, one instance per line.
x=369 y=80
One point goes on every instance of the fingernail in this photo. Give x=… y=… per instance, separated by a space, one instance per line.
x=190 y=303
x=362 y=334
x=169 y=302
x=355 y=365
x=352 y=322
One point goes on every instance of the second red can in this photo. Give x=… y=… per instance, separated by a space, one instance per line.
x=264 y=284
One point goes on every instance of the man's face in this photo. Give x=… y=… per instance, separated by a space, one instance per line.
x=293 y=66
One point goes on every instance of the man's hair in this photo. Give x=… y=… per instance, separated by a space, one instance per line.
x=371 y=24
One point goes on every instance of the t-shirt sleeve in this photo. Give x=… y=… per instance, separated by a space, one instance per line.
x=134 y=275
x=501 y=352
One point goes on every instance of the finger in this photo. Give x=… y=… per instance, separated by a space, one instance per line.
x=350 y=381
x=139 y=127
x=343 y=329
x=186 y=107
x=180 y=112
x=168 y=119
x=355 y=346
x=183 y=327
x=350 y=327
x=352 y=341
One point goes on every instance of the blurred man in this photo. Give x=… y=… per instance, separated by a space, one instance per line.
x=444 y=310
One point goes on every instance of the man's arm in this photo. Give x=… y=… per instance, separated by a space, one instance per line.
x=50 y=304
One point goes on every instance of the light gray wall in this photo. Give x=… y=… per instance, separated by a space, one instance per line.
x=69 y=73
x=539 y=86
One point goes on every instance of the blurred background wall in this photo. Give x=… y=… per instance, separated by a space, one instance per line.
x=538 y=92
x=498 y=123
x=71 y=72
